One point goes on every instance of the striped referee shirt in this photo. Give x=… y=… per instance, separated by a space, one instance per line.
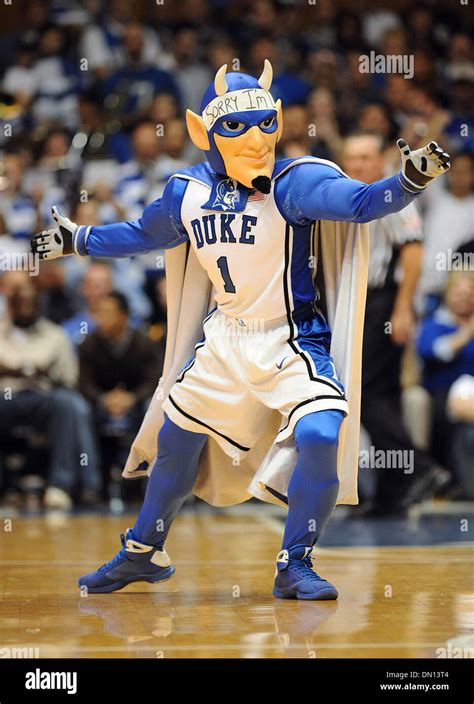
x=387 y=235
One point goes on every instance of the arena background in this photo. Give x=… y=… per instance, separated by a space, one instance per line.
x=91 y=120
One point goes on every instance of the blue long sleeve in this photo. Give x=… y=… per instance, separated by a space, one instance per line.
x=309 y=191
x=441 y=365
x=430 y=331
x=160 y=227
x=314 y=191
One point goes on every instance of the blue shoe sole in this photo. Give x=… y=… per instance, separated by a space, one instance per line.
x=325 y=594
x=116 y=586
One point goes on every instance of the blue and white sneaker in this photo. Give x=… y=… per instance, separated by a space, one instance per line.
x=135 y=562
x=296 y=579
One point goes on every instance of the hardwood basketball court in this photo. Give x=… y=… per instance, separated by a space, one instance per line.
x=405 y=601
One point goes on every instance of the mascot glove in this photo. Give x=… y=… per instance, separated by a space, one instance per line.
x=57 y=241
x=423 y=165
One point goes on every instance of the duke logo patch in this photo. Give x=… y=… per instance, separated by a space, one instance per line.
x=227 y=195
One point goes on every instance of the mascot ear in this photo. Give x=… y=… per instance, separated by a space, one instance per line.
x=197 y=130
x=279 y=119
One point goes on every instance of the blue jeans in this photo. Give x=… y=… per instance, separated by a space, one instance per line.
x=65 y=416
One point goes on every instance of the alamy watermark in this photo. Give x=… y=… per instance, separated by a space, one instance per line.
x=19 y=653
x=41 y=679
x=236 y=327
x=454 y=261
x=20 y=261
x=387 y=459
x=403 y=64
x=455 y=652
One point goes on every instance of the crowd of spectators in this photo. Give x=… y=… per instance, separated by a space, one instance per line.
x=92 y=100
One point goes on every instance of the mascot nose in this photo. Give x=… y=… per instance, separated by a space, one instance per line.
x=255 y=139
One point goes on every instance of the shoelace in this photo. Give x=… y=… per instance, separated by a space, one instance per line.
x=118 y=557
x=304 y=568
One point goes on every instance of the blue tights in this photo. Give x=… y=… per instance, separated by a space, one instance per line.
x=170 y=483
x=313 y=486
x=312 y=490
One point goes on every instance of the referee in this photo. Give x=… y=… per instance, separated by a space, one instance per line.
x=394 y=268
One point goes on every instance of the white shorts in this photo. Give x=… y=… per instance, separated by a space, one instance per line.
x=243 y=371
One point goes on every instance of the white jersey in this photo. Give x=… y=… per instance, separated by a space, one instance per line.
x=257 y=268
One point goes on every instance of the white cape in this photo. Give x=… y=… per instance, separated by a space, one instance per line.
x=344 y=251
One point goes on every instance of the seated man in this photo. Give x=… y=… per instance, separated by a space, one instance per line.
x=97 y=282
x=38 y=371
x=119 y=367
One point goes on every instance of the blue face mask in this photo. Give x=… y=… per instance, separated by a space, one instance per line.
x=235 y=125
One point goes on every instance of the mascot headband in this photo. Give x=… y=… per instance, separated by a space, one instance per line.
x=242 y=100
x=237 y=101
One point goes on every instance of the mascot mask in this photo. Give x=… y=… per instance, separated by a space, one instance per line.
x=239 y=127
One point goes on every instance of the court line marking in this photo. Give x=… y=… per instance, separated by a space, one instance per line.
x=322 y=552
x=273 y=524
x=239 y=646
x=276 y=526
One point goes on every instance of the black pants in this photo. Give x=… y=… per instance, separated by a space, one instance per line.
x=463 y=452
x=442 y=430
x=381 y=407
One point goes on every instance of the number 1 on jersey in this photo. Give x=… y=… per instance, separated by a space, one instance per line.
x=224 y=269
